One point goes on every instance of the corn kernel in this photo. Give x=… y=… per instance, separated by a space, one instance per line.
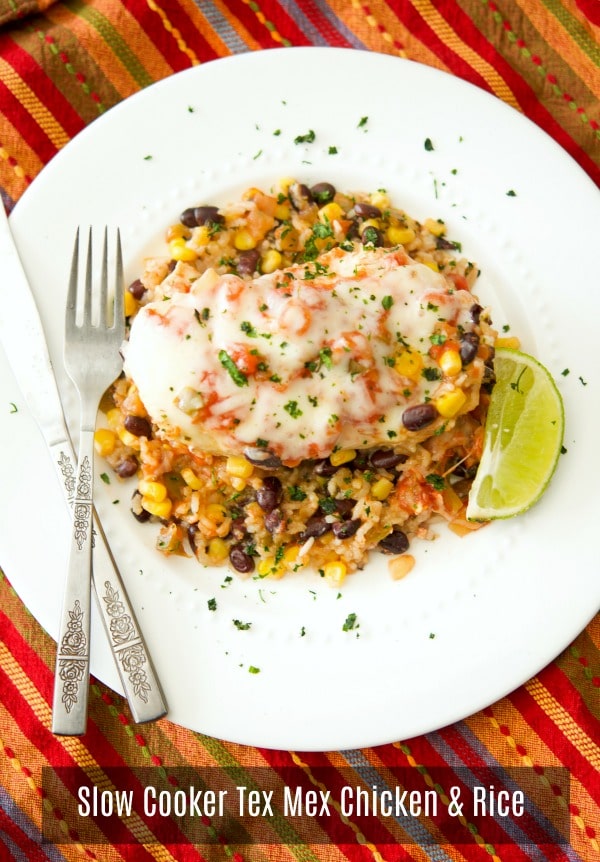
x=180 y=251
x=450 y=403
x=243 y=240
x=128 y=439
x=218 y=550
x=431 y=264
x=330 y=212
x=400 y=235
x=380 y=199
x=382 y=489
x=291 y=554
x=437 y=228
x=130 y=303
x=342 y=456
x=266 y=567
x=201 y=236
x=283 y=212
x=409 y=364
x=190 y=479
x=238 y=484
x=335 y=572
x=176 y=231
x=216 y=513
x=104 y=442
x=270 y=261
x=158 y=509
x=284 y=184
x=151 y=490
x=114 y=418
x=450 y=363
x=512 y=342
x=370 y=222
x=238 y=466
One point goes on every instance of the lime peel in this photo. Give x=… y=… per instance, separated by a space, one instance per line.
x=523 y=438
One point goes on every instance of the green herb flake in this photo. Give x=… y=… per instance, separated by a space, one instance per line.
x=387 y=302
x=247 y=327
x=332 y=151
x=105 y=478
x=212 y=604
x=297 y=494
x=13 y=407
x=565 y=372
x=240 y=626
x=428 y=145
x=308 y=138
x=292 y=408
x=253 y=669
x=362 y=122
x=350 y=623
x=511 y=193
x=238 y=377
x=436 y=481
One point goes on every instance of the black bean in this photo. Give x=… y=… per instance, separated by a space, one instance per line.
x=419 y=416
x=344 y=506
x=192 y=532
x=273 y=521
x=299 y=195
x=345 y=529
x=443 y=243
x=324 y=467
x=372 y=236
x=385 y=459
x=269 y=494
x=248 y=261
x=238 y=529
x=475 y=312
x=139 y=426
x=469 y=345
x=137 y=289
x=240 y=559
x=365 y=210
x=138 y=512
x=322 y=193
x=394 y=543
x=262 y=458
x=315 y=527
x=196 y=216
x=127 y=468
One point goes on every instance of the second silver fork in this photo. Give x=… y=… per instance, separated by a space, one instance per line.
x=93 y=336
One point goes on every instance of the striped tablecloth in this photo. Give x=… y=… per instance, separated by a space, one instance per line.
x=63 y=64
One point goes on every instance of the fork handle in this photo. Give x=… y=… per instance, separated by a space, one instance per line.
x=132 y=658
x=72 y=671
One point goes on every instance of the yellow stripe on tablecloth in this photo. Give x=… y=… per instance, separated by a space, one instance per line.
x=449 y=36
x=77 y=750
x=583 y=60
x=42 y=116
x=561 y=718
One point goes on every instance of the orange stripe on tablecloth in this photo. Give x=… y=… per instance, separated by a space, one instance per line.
x=548 y=26
x=25 y=95
x=102 y=52
x=209 y=34
x=174 y=32
x=76 y=748
x=442 y=28
x=593 y=630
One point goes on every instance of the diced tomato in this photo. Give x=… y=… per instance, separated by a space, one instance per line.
x=460 y=282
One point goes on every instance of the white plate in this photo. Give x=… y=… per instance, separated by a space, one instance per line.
x=477 y=616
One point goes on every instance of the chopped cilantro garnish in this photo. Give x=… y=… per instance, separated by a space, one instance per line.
x=242 y=627
x=428 y=145
x=238 y=377
x=350 y=623
x=297 y=494
x=247 y=327
x=253 y=669
x=308 y=138
x=212 y=604
x=292 y=408
x=387 y=302
x=436 y=481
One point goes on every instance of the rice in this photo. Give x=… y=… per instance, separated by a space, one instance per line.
x=327 y=513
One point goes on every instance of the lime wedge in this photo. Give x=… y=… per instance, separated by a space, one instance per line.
x=523 y=438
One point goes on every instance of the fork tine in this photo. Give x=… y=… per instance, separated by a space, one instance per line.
x=119 y=302
x=87 y=302
x=104 y=281
x=72 y=291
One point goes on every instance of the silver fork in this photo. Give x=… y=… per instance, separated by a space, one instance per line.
x=93 y=336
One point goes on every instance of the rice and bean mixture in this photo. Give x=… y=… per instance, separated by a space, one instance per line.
x=249 y=511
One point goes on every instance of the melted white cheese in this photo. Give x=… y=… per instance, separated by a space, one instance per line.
x=301 y=360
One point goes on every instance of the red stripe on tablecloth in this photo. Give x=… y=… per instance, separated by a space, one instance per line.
x=38 y=734
x=26 y=126
x=566 y=694
x=554 y=738
x=39 y=83
x=282 y=22
x=326 y=28
x=591 y=9
x=28 y=847
x=162 y=39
